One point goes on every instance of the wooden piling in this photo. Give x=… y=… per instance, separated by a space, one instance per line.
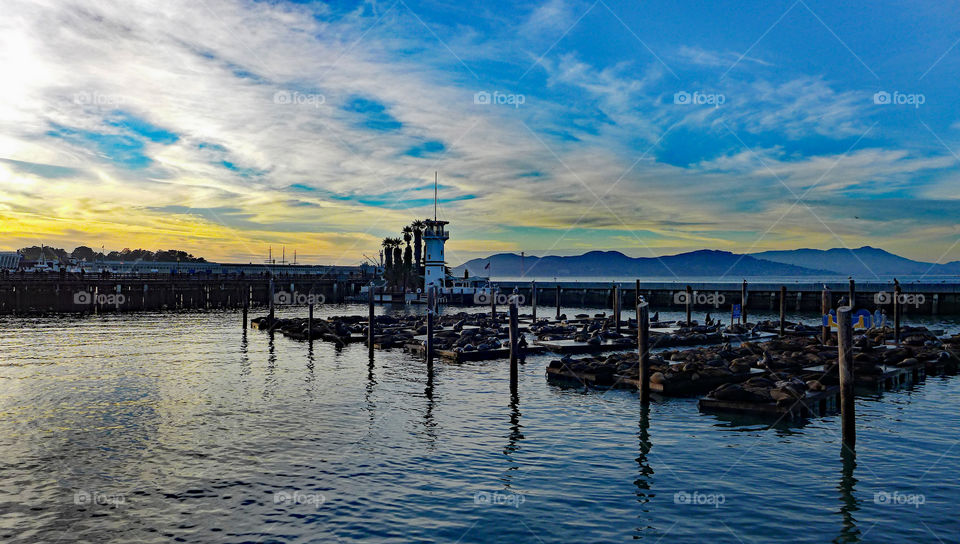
x=616 y=308
x=783 y=308
x=852 y=295
x=370 y=320
x=514 y=346
x=825 y=304
x=244 y=314
x=897 y=310
x=270 y=295
x=643 y=350
x=689 y=304
x=431 y=308
x=845 y=358
x=533 y=300
x=310 y=317
x=558 y=301
x=636 y=299
x=493 y=303
x=743 y=302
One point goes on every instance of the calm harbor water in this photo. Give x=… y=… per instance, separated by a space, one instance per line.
x=183 y=427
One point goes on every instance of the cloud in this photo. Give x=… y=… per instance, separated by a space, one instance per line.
x=227 y=127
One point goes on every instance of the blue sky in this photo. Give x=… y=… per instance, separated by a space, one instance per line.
x=556 y=127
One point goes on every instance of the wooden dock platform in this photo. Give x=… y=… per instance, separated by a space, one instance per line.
x=813 y=404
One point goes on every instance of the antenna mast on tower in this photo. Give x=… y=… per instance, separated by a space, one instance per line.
x=435 y=178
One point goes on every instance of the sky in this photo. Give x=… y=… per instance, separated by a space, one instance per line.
x=559 y=127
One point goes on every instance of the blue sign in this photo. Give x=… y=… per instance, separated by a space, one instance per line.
x=861 y=319
x=736 y=310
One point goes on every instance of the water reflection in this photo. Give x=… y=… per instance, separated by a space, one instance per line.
x=368 y=395
x=270 y=380
x=645 y=473
x=429 y=424
x=310 y=368
x=513 y=439
x=244 y=355
x=848 y=502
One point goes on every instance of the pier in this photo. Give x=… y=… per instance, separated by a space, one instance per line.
x=925 y=298
x=71 y=294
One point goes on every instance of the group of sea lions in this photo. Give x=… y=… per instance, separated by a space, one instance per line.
x=792 y=365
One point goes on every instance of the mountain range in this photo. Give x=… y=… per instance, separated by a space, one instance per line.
x=867 y=262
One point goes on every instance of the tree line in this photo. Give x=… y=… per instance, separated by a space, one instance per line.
x=84 y=253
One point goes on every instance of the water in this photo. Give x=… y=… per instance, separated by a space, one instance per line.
x=186 y=428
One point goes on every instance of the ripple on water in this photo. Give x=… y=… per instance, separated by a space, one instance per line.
x=200 y=427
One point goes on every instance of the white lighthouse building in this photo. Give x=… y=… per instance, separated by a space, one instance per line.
x=434 y=271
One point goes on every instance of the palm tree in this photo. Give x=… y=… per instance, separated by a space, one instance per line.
x=388 y=253
x=397 y=256
x=417 y=241
x=407 y=252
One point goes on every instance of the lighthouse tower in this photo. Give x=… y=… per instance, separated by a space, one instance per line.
x=434 y=237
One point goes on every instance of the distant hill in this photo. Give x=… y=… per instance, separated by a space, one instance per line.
x=864 y=261
x=705 y=263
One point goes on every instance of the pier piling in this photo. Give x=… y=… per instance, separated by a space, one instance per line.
x=897 y=311
x=270 y=294
x=370 y=320
x=431 y=308
x=533 y=300
x=825 y=304
x=493 y=304
x=852 y=294
x=743 y=303
x=783 y=308
x=845 y=358
x=616 y=308
x=558 y=301
x=643 y=350
x=310 y=317
x=689 y=304
x=514 y=343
